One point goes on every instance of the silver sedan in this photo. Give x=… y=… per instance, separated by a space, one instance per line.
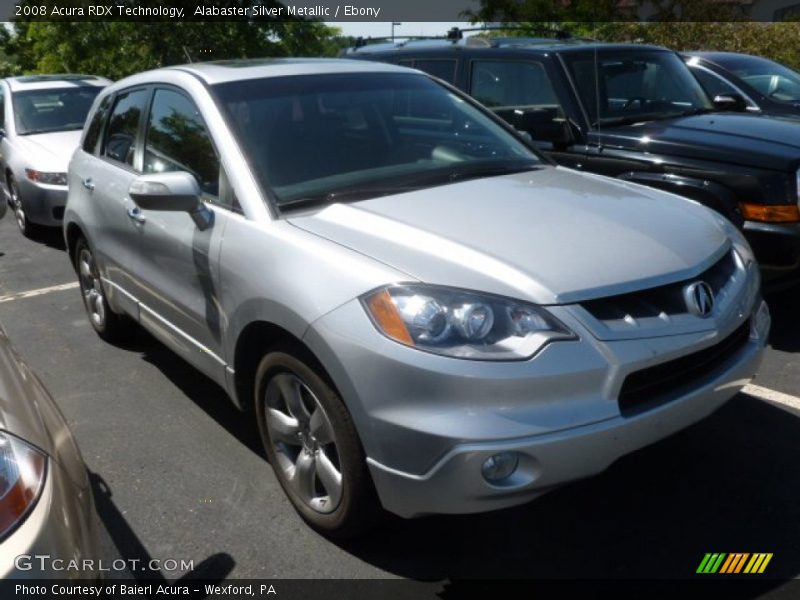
x=423 y=313
x=41 y=119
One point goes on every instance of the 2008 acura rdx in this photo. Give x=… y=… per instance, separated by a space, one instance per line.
x=423 y=312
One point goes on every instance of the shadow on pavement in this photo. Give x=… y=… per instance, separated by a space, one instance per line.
x=213 y=569
x=785 y=309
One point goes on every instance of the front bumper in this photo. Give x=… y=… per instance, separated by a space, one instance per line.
x=43 y=204
x=428 y=423
x=61 y=527
x=777 y=249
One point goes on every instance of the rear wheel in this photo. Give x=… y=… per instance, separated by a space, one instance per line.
x=313 y=446
x=109 y=325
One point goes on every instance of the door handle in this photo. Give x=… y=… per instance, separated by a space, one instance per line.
x=135 y=213
x=88 y=184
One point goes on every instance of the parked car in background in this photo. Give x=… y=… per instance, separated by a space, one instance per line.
x=764 y=86
x=633 y=112
x=41 y=118
x=421 y=310
x=46 y=502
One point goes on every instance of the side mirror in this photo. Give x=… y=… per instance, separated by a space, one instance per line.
x=525 y=135
x=730 y=102
x=177 y=191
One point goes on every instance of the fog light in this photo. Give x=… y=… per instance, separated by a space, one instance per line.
x=498 y=467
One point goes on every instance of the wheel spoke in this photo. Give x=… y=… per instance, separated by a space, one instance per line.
x=290 y=390
x=302 y=479
x=321 y=428
x=282 y=427
x=330 y=478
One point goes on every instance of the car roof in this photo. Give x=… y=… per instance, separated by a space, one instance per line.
x=234 y=70
x=43 y=82
x=716 y=56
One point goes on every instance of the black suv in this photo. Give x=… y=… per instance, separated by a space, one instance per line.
x=634 y=112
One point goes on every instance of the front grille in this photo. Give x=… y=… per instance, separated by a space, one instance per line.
x=664 y=300
x=656 y=385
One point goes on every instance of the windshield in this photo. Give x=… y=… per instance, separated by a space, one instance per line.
x=769 y=78
x=331 y=137
x=627 y=87
x=41 y=111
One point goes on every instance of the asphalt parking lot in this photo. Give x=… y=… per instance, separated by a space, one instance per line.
x=179 y=473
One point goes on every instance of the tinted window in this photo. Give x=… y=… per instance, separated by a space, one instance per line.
x=520 y=93
x=632 y=87
x=96 y=126
x=443 y=69
x=177 y=140
x=2 y=109
x=40 y=111
x=498 y=84
x=712 y=84
x=326 y=138
x=123 y=126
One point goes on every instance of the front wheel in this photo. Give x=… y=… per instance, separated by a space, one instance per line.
x=27 y=228
x=313 y=447
x=109 y=325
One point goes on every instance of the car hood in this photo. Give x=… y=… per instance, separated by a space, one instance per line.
x=551 y=236
x=748 y=140
x=50 y=151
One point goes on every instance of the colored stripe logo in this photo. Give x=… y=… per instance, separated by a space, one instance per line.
x=734 y=563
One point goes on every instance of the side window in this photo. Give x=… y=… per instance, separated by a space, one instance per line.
x=443 y=69
x=123 y=126
x=511 y=84
x=2 y=109
x=712 y=84
x=177 y=140
x=96 y=126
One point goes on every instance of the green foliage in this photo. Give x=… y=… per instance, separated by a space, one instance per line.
x=778 y=41
x=676 y=24
x=119 y=48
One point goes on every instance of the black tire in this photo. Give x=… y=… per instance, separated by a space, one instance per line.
x=110 y=326
x=358 y=508
x=28 y=229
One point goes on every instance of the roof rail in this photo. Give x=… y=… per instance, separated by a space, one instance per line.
x=361 y=41
x=455 y=33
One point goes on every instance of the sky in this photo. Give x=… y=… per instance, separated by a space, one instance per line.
x=384 y=28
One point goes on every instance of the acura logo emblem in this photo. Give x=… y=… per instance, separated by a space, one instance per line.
x=699 y=298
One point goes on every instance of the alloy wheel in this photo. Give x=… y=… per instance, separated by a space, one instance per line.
x=91 y=288
x=304 y=442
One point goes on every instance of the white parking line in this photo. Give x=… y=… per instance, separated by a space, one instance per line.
x=39 y=292
x=771 y=396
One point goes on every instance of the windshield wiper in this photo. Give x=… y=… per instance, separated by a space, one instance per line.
x=475 y=172
x=345 y=195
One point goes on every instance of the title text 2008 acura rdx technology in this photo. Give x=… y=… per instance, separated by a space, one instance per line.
x=423 y=313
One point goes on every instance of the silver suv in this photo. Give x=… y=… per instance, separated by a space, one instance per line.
x=423 y=313
x=41 y=118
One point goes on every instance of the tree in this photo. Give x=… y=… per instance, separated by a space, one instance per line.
x=118 y=48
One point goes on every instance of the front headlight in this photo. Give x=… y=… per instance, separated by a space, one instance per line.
x=46 y=178
x=460 y=323
x=22 y=469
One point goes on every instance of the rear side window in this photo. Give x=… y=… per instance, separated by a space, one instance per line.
x=178 y=140
x=123 y=126
x=95 y=127
x=443 y=69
